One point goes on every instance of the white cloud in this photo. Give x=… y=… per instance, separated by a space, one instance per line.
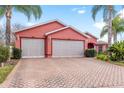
x=99 y=25
x=81 y=11
x=74 y=9
x=121 y=13
x=29 y=24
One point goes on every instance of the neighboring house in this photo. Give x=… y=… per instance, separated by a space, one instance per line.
x=101 y=46
x=53 y=39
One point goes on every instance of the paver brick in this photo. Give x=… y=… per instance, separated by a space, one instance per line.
x=65 y=73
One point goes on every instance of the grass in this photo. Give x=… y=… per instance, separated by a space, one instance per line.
x=118 y=63
x=4 y=71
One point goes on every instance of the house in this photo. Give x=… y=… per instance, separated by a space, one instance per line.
x=101 y=46
x=53 y=39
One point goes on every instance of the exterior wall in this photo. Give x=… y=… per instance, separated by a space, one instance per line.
x=37 y=32
x=48 y=46
x=104 y=47
x=91 y=40
x=67 y=34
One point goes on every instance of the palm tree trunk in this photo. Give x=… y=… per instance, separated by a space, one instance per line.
x=115 y=37
x=8 y=25
x=110 y=26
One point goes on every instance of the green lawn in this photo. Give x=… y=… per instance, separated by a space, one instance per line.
x=4 y=71
x=118 y=63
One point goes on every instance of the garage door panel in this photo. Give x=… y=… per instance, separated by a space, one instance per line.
x=32 y=48
x=67 y=48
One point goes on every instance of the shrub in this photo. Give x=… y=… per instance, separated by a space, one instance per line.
x=90 y=53
x=103 y=57
x=116 y=51
x=4 y=54
x=16 y=53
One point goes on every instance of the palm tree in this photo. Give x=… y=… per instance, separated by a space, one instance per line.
x=27 y=10
x=117 y=27
x=108 y=14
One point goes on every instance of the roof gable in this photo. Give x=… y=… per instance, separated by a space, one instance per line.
x=90 y=35
x=42 y=24
x=62 y=29
x=101 y=42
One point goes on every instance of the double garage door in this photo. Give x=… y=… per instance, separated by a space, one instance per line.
x=34 y=48
x=67 y=48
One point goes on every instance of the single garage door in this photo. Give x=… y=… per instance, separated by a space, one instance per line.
x=67 y=48
x=32 y=48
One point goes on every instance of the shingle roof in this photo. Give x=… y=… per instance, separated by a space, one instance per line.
x=56 y=20
x=90 y=35
x=101 y=42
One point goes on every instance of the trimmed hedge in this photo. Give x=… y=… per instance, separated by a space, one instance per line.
x=90 y=52
x=16 y=53
x=4 y=54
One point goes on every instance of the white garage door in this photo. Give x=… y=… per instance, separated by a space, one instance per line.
x=32 y=48
x=68 y=48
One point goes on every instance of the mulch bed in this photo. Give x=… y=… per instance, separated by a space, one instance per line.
x=11 y=62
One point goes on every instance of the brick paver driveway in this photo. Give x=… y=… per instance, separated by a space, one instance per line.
x=65 y=72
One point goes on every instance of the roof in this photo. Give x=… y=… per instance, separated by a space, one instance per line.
x=56 y=20
x=89 y=34
x=101 y=42
x=48 y=33
x=54 y=31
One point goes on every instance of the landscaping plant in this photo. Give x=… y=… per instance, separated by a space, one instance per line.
x=117 y=51
x=102 y=56
x=4 y=54
x=90 y=52
x=16 y=53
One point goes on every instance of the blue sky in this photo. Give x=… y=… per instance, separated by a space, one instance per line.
x=78 y=16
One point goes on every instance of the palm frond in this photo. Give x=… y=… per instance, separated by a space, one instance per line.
x=105 y=15
x=120 y=29
x=104 y=31
x=113 y=11
x=23 y=9
x=2 y=10
x=29 y=10
x=95 y=10
x=36 y=11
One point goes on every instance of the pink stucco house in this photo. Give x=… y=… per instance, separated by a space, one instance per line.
x=55 y=39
